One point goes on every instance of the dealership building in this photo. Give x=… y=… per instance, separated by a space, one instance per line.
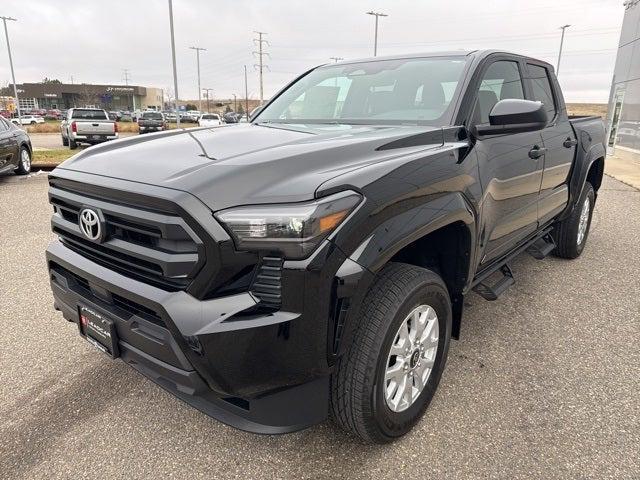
x=109 y=97
x=624 y=100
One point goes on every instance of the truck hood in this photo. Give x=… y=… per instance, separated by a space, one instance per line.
x=248 y=163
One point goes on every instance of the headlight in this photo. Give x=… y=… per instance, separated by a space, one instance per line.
x=293 y=229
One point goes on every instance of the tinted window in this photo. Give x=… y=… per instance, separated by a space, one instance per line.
x=415 y=90
x=542 y=88
x=87 y=114
x=152 y=115
x=210 y=117
x=501 y=81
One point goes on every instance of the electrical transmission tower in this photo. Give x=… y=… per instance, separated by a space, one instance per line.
x=260 y=42
x=126 y=76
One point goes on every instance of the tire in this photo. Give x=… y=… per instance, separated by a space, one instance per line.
x=569 y=242
x=65 y=141
x=72 y=144
x=24 y=162
x=358 y=387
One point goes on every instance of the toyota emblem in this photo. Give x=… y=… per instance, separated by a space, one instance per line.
x=90 y=224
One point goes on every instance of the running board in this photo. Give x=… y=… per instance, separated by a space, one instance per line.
x=542 y=247
x=492 y=292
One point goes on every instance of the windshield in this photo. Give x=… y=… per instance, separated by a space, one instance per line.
x=152 y=115
x=415 y=91
x=89 y=114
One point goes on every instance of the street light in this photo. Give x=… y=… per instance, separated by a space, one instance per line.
x=13 y=75
x=198 y=50
x=173 y=56
x=560 y=52
x=375 y=41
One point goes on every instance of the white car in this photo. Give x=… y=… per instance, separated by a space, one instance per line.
x=210 y=120
x=28 y=120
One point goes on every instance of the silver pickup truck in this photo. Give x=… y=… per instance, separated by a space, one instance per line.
x=87 y=125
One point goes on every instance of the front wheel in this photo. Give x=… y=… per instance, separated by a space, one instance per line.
x=385 y=381
x=24 y=164
x=571 y=233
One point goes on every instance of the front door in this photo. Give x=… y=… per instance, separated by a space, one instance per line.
x=509 y=175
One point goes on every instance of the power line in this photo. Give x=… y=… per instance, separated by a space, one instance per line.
x=261 y=66
x=198 y=50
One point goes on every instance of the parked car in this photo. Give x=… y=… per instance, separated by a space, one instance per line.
x=318 y=259
x=187 y=118
x=151 y=122
x=169 y=116
x=53 y=114
x=112 y=116
x=210 y=120
x=231 y=117
x=15 y=148
x=87 y=125
x=28 y=120
x=115 y=115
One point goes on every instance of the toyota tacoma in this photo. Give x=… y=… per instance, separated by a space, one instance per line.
x=315 y=261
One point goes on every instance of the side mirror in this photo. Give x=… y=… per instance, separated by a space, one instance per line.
x=514 y=116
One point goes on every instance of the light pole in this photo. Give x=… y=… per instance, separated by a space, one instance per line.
x=198 y=50
x=13 y=75
x=235 y=103
x=173 y=56
x=560 y=52
x=375 y=40
x=246 y=94
x=207 y=90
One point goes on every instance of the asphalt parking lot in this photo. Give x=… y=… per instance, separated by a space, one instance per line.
x=544 y=383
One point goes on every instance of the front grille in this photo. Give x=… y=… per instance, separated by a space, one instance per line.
x=151 y=245
x=267 y=285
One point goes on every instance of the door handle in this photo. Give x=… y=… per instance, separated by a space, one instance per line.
x=536 y=152
x=568 y=143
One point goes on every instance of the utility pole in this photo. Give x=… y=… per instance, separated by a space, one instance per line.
x=260 y=53
x=71 y=77
x=235 y=103
x=560 y=52
x=126 y=75
x=246 y=94
x=206 y=92
x=173 y=56
x=375 y=40
x=198 y=50
x=13 y=75
x=336 y=59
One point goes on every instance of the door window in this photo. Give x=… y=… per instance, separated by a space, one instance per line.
x=542 y=91
x=501 y=81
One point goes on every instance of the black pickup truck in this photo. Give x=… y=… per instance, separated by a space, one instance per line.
x=316 y=260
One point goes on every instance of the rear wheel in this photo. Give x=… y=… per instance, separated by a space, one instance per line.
x=24 y=164
x=72 y=144
x=65 y=141
x=386 y=380
x=571 y=233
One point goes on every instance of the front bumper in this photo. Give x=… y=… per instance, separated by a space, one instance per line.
x=253 y=372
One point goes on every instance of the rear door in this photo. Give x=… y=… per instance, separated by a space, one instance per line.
x=510 y=178
x=558 y=139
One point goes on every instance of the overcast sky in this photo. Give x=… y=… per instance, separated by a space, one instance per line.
x=95 y=40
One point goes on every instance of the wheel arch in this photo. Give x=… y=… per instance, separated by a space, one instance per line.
x=431 y=244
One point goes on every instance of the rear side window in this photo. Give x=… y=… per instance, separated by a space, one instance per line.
x=501 y=81
x=542 y=91
x=86 y=114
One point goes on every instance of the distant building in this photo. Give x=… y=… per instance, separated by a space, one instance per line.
x=109 y=97
x=624 y=100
